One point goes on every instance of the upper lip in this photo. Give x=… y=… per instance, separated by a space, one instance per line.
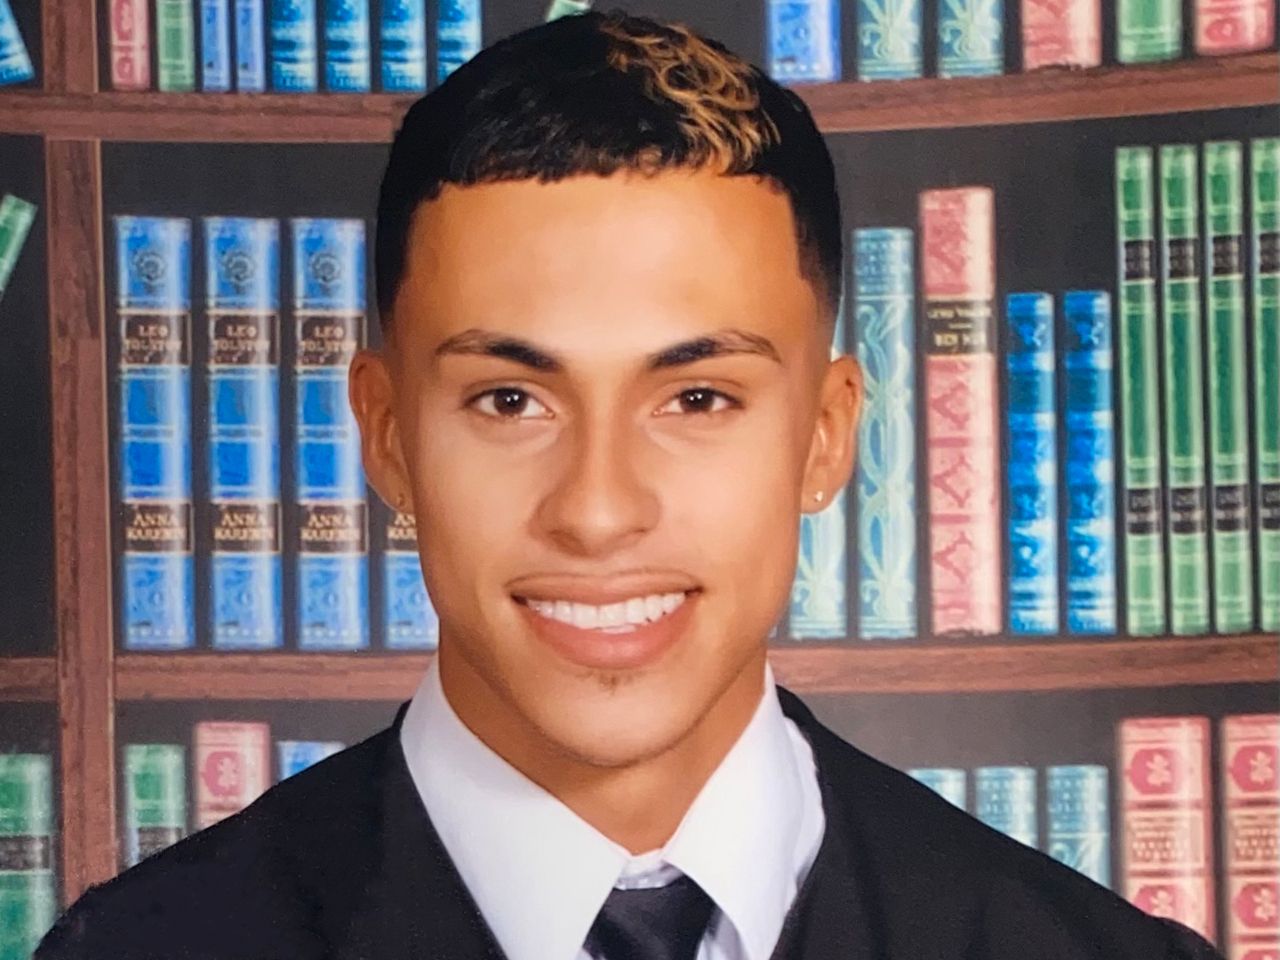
x=600 y=590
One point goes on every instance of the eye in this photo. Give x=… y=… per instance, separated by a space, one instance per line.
x=699 y=400
x=509 y=403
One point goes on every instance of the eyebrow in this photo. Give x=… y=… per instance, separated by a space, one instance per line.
x=476 y=342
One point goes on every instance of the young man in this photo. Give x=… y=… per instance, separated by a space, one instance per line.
x=608 y=265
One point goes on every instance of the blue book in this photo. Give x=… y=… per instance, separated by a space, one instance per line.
x=970 y=38
x=157 y=583
x=458 y=35
x=884 y=330
x=15 y=60
x=294 y=51
x=404 y=46
x=1032 y=466
x=296 y=755
x=890 y=44
x=803 y=40
x=409 y=619
x=215 y=46
x=251 y=57
x=242 y=257
x=347 y=60
x=948 y=783
x=1080 y=820
x=1089 y=472
x=329 y=316
x=1005 y=800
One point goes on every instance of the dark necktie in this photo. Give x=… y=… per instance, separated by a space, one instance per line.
x=657 y=923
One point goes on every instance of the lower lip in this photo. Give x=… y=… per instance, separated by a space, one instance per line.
x=612 y=651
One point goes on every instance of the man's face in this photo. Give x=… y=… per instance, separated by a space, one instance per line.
x=601 y=397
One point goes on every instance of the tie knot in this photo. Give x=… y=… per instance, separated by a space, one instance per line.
x=652 y=923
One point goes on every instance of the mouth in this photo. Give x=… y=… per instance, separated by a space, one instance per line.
x=620 y=617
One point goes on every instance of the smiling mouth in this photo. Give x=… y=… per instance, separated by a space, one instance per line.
x=624 y=616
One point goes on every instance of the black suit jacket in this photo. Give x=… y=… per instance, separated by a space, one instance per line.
x=341 y=861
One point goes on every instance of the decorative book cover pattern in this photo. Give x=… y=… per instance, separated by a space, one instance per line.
x=1265 y=227
x=155 y=798
x=803 y=40
x=1251 y=835
x=1061 y=33
x=233 y=768
x=28 y=897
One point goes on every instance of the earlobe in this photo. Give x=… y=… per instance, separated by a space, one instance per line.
x=372 y=398
x=831 y=454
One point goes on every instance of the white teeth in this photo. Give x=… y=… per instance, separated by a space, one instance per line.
x=622 y=616
x=653 y=606
x=671 y=600
x=636 y=610
x=612 y=615
x=563 y=610
x=585 y=616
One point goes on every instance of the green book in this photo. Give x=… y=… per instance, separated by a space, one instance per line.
x=1228 y=387
x=16 y=217
x=1183 y=390
x=176 y=45
x=1139 y=392
x=28 y=898
x=1265 y=182
x=155 y=798
x=566 y=8
x=1148 y=30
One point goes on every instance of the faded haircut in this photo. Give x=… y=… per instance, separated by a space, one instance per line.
x=598 y=93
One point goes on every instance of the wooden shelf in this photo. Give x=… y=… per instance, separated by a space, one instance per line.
x=1205 y=83
x=862 y=668
x=28 y=680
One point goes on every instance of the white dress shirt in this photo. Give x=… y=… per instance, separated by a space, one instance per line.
x=540 y=873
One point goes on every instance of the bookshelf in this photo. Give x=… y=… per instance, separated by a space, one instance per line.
x=89 y=680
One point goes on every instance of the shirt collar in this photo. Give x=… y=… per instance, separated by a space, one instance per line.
x=539 y=873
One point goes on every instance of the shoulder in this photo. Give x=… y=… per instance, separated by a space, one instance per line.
x=251 y=885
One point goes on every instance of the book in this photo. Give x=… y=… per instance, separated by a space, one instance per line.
x=1148 y=30
x=1089 y=462
x=884 y=331
x=175 y=46
x=1233 y=26
x=1061 y=33
x=130 y=45
x=565 y=8
x=819 y=608
x=947 y=782
x=1031 y=467
x=1005 y=800
x=155 y=798
x=329 y=483
x=1139 y=392
x=157 y=581
x=232 y=768
x=294 y=756
x=1251 y=834
x=403 y=35
x=242 y=273
x=409 y=619
x=1264 y=188
x=957 y=226
x=294 y=50
x=1180 y=292
x=28 y=895
x=458 y=35
x=1166 y=810
x=16 y=217
x=970 y=38
x=15 y=59
x=890 y=39
x=251 y=56
x=1080 y=819
x=1232 y=521
x=348 y=60
x=802 y=40
x=215 y=46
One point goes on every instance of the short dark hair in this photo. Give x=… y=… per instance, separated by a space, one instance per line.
x=596 y=93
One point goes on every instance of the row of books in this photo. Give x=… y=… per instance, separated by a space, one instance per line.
x=15 y=59
x=16 y=217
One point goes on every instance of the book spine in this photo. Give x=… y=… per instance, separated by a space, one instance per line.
x=890 y=39
x=1265 y=225
x=458 y=35
x=1166 y=810
x=176 y=45
x=1032 y=465
x=347 y=57
x=233 y=766
x=565 y=8
x=1080 y=819
x=28 y=896
x=1005 y=800
x=1148 y=30
x=332 y=524
x=16 y=217
x=215 y=46
x=803 y=40
x=409 y=620
x=1184 y=390
x=1057 y=34
x=403 y=32
x=1228 y=388
x=294 y=756
x=243 y=296
x=960 y=416
x=1251 y=834
x=1233 y=26
x=15 y=60
x=251 y=59
x=970 y=38
x=130 y=45
x=1090 y=467
x=153 y=260
x=1139 y=392
x=884 y=330
x=946 y=782
x=155 y=798
x=294 y=53
x=819 y=607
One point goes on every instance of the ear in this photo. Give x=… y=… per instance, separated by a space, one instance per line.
x=831 y=453
x=371 y=393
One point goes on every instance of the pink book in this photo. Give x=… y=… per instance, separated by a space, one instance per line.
x=958 y=231
x=130 y=45
x=1061 y=33
x=1166 y=812
x=1251 y=798
x=1234 y=26
x=233 y=767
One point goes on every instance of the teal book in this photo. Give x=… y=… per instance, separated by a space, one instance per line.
x=28 y=896
x=1265 y=190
